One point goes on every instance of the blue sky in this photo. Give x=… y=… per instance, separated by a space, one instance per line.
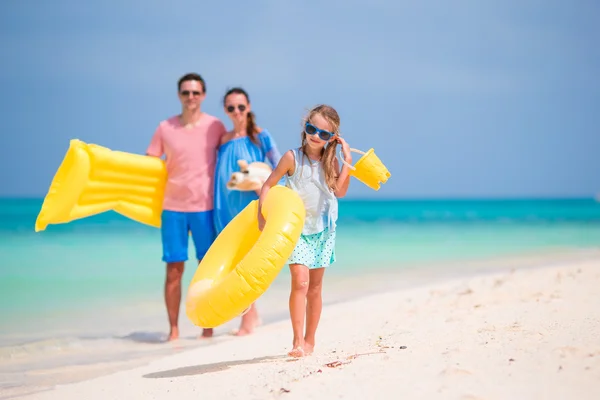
x=458 y=98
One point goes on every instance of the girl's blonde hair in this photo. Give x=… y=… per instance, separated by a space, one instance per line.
x=328 y=153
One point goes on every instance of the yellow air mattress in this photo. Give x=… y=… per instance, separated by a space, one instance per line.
x=242 y=262
x=93 y=179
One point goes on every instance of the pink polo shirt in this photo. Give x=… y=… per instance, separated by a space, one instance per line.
x=191 y=155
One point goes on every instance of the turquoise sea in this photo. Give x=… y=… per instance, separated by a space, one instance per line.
x=89 y=293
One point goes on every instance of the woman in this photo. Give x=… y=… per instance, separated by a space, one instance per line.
x=246 y=141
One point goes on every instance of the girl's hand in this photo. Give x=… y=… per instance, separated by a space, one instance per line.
x=261 y=221
x=345 y=149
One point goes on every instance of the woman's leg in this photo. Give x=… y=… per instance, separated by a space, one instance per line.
x=250 y=320
x=300 y=283
x=313 y=307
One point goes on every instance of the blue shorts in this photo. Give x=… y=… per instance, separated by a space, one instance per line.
x=175 y=229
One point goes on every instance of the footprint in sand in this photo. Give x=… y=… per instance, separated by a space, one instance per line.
x=487 y=328
x=452 y=351
x=471 y=397
x=454 y=371
x=436 y=293
x=514 y=327
x=567 y=351
x=558 y=278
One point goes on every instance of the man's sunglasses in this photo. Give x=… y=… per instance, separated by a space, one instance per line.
x=310 y=129
x=240 y=107
x=186 y=93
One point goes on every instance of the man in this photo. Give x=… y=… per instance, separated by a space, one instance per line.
x=189 y=141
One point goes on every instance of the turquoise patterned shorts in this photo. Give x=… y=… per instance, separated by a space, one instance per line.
x=315 y=251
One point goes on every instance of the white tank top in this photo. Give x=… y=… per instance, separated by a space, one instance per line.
x=320 y=202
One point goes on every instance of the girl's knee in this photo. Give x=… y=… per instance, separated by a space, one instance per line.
x=300 y=285
x=300 y=278
x=314 y=290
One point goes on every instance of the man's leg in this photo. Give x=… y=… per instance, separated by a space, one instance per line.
x=203 y=235
x=174 y=233
x=173 y=296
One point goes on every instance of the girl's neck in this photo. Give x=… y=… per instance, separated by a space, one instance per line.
x=312 y=154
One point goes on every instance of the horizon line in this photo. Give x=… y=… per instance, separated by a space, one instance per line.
x=408 y=198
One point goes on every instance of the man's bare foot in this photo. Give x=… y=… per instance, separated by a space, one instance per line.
x=296 y=352
x=174 y=334
x=207 y=333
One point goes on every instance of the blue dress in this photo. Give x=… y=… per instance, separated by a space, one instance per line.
x=228 y=203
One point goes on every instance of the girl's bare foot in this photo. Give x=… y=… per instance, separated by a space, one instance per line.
x=296 y=352
x=309 y=348
x=297 y=348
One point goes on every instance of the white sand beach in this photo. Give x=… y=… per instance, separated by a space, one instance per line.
x=530 y=333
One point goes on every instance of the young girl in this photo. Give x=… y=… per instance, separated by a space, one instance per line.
x=314 y=173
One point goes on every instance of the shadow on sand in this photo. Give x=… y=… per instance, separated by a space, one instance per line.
x=208 y=368
x=161 y=337
x=145 y=337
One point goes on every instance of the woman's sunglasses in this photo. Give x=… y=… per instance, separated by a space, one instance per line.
x=310 y=129
x=240 y=107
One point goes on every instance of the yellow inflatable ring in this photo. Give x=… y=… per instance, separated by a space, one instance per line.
x=242 y=262
x=93 y=179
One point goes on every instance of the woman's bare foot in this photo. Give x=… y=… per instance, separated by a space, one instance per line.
x=296 y=352
x=243 y=331
x=173 y=334
x=250 y=320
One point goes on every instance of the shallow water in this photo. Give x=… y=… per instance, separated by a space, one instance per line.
x=89 y=293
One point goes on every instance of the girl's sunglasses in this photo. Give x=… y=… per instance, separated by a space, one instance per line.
x=240 y=107
x=310 y=129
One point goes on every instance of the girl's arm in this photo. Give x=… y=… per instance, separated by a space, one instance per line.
x=285 y=165
x=343 y=180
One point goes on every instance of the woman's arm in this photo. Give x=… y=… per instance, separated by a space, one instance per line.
x=272 y=153
x=274 y=156
x=285 y=165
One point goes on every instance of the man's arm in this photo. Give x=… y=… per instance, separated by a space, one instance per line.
x=156 y=148
x=221 y=132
